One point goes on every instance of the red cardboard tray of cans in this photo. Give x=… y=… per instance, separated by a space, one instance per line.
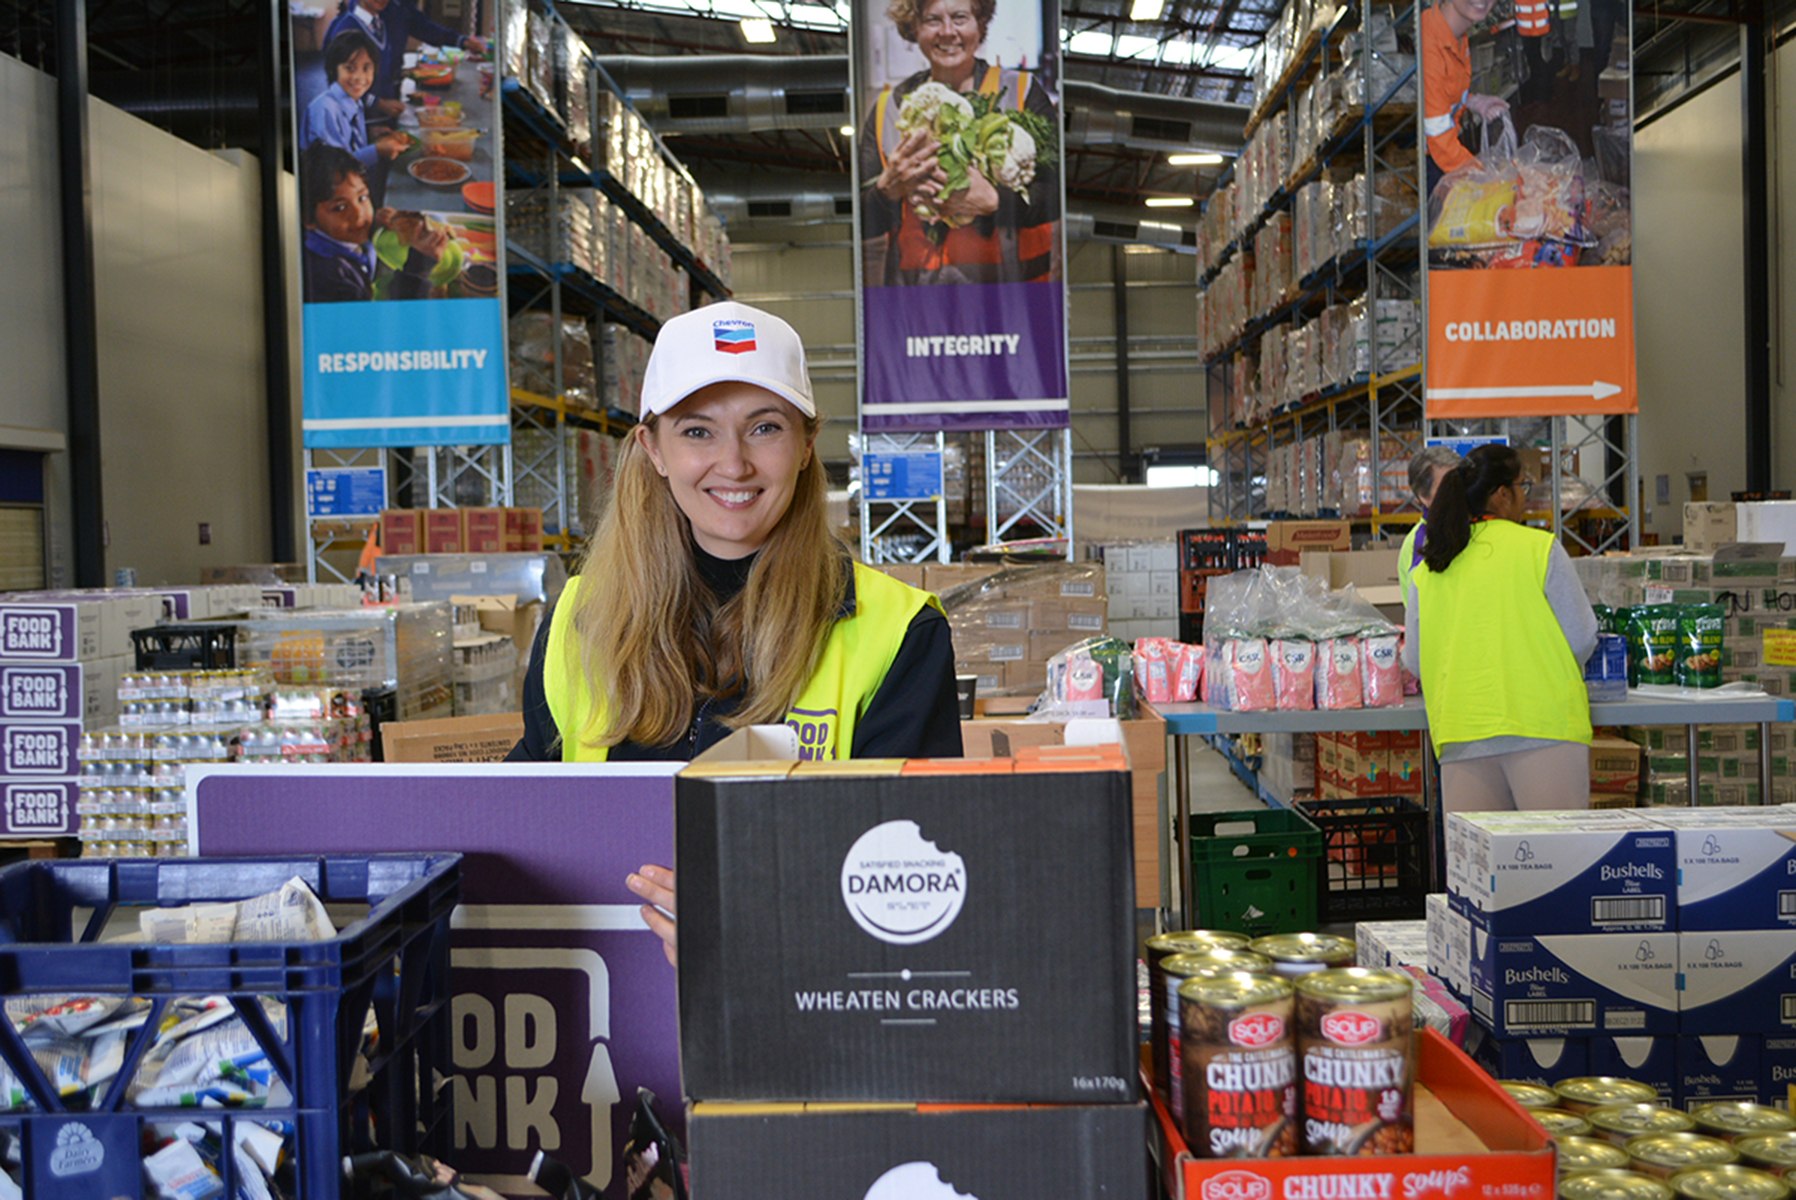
x=1516 y=1162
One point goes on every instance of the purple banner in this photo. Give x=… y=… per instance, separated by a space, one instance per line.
x=564 y=1002
x=959 y=195
x=982 y=356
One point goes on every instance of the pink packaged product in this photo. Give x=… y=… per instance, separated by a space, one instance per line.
x=1338 y=673
x=1156 y=663
x=1294 y=673
x=1215 y=678
x=1250 y=676
x=1189 y=676
x=1381 y=675
x=1084 y=678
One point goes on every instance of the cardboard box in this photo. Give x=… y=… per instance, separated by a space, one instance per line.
x=1719 y=1067
x=34 y=632
x=1649 y=1060
x=1046 y=643
x=962 y=937
x=402 y=531
x=1708 y=525
x=35 y=808
x=912 y=1152
x=1562 y=872
x=43 y=749
x=1286 y=541
x=523 y=530
x=1363 y=569
x=1737 y=982
x=1767 y=521
x=1028 y=678
x=945 y=577
x=443 y=531
x=1734 y=868
x=452 y=739
x=1777 y=1068
x=42 y=691
x=1614 y=765
x=1576 y=984
x=1542 y=1061
x=1014 y=615
x=991 y=645
x=483 y=530
x=1085 y=618
x=1449 y=945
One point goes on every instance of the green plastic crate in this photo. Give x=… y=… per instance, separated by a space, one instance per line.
x=1255 y=872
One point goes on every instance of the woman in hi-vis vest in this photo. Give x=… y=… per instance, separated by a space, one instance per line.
x=715 y=594
x=985 y=232
x=1498 y=633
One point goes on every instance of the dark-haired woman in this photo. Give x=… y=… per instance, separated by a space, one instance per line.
x=1498 y=632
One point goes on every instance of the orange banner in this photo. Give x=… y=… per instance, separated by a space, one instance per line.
x=1531 y=343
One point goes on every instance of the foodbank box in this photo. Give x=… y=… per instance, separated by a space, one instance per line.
x=1720 y=1067
x=38 y=808
x=1575 y=984
x=1649 y=1060
x=41 y=692
x=1736 y=867
x=1737 y=981
x=1608 y=871
x=42 y=749
x=49 y=632
x=1544 y=1060
x=913 y=1152
x=847 y=934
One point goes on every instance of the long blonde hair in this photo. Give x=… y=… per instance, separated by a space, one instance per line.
x=651 y=638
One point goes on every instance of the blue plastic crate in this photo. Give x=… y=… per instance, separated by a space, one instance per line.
x=395 y=961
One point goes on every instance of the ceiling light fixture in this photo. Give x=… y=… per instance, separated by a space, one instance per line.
x=1169 y=202
x=846 y=131
x=758 y=30
x=1146 y=10
x=1193 y=160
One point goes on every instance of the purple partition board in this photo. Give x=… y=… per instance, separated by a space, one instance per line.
x=564 y=1002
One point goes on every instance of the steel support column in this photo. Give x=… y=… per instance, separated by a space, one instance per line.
x=1753 y=158
x=80 y=343
x=1119 y=288
x=277 y=385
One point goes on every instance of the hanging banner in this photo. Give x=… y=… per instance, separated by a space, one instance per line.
x=959 y=194
x=1530 y=282
x=404 y=324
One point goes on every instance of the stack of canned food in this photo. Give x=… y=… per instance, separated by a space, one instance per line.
x=1278 y=1046
x=1617 y=1142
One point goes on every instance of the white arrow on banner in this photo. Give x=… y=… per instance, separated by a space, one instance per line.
x=1595 y=391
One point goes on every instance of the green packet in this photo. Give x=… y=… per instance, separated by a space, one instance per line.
x=1652 y=633
x=1699 y=633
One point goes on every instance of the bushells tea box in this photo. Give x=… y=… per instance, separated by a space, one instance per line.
x=1528 y=1060
x=1737 y=981
x=1649 y=1060
x=1720 y=1067
x=1607 y=871
x=1777 y=1068
x=1736 y=870
x=1576 y=984
x=1449 y=945
x=913 y=1153
x=905 y=938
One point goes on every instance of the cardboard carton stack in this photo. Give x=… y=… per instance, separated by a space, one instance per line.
x=461 y=530
x=1142 y=579
x=1727 y=759
x=941 y=963
x=1010 y=620
x=52 y=684
x=1384 y=763
x=1653 y=944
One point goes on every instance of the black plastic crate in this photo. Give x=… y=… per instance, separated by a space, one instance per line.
x=185 y=647
x=393 y=961
x=1374 y=863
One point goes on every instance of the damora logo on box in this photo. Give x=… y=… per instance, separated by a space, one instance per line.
x=915 y=1181
x=33 y=692
x=1236 y=1185
x=899 y=887
x=31 y=633
x=77 y=1152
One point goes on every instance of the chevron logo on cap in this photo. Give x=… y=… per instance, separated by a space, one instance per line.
x=733 y=337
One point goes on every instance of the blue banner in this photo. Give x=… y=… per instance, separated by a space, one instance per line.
x=916 y=475
x=401 y=276
x=346 y=491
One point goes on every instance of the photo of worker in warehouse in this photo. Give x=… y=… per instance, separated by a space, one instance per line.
x=1526 y=115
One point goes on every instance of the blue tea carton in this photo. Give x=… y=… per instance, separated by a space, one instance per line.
x=1720 y=1067
x=1605 y=871
x=1606 y=673
x=1737 y=981
x=1777 y=1069
x=1576 y=984
x=1528 y=1060
x=1736 y=866
x=1649 y=1060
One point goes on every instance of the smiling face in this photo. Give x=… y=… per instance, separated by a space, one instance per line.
x=948 y=34
x=731 y=454
x=347 y=214
x=1463 y=15
x=355 y=74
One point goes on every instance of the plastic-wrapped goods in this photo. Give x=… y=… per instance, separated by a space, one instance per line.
x=1382 y=670
x=1374 y=59
x=1250 y=683
x=1272 y=263
x=1338 y=669
x=1167 y=671
x=1294 y=673
x=538 y=75
x=573 y=73
x=532 y=344
x=514 y=39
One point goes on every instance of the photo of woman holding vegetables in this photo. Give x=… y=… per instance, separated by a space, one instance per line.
x=959 y=162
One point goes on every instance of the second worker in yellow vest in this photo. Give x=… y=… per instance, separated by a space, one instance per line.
x=715 y=594
x=1498 y=633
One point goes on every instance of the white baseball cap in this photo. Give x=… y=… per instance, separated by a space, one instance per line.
x=726 y=343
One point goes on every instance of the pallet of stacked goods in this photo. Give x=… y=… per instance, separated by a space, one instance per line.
x=1008 y=621
x=1142 y=579
x=960 y=977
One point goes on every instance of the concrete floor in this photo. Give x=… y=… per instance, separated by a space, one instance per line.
x=1214 y=785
